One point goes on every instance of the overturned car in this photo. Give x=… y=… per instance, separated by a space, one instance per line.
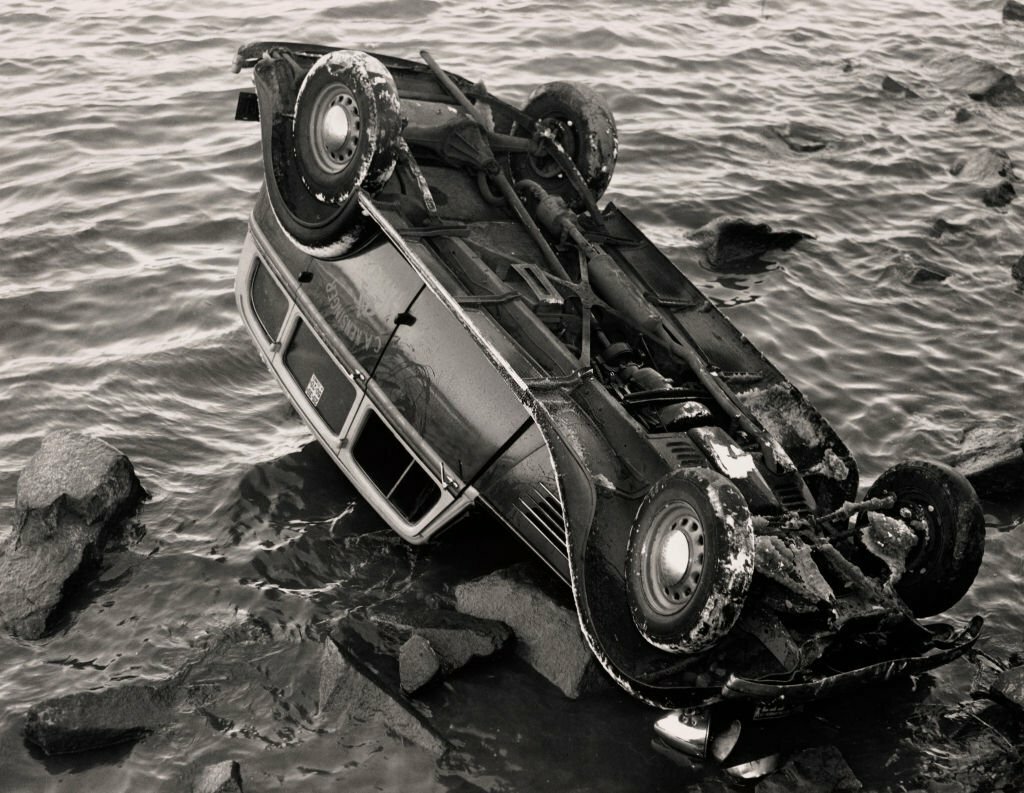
x=431 y=280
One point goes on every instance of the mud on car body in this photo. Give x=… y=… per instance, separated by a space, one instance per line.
x=430 y=278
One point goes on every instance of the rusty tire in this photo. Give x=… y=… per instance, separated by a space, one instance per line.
x=689 y=560
x=940 y=505
x=583 y=123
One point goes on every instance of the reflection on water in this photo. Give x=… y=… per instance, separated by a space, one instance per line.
x=126 y=188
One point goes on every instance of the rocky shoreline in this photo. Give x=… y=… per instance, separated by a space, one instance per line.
x=373 y=666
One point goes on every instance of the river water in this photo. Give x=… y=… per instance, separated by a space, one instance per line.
x=125 y=190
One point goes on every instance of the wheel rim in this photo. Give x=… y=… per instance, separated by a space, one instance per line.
x=920 y=517
x=672 y=559
x=334 y=129
x=564 y=133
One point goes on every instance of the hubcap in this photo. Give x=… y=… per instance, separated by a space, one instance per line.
x=334 y=128
x=672 y=559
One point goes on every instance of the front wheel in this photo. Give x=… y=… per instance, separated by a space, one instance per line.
x=690 y=560
x=582 y=123
x=940 y=506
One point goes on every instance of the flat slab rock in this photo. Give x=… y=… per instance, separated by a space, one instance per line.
x=820 y=769
x=548 y=635
x=350 y=691
x=70 y=494
x=456 y=638
x=94 y=719
x=992 y=459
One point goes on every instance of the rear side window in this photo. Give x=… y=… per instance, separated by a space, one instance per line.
x=393 y=470
x=268 y=301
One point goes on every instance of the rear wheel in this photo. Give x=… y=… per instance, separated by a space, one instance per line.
x=579 y=120
x=690 y=560
x=342 y=137
x=940 y=506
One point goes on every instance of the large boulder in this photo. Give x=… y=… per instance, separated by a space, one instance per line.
x=73 y=491
x=94 y=719
x=548 y=635
x=418 y=663
x=992 y=459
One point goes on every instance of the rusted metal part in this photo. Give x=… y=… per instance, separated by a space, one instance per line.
x=794 y=693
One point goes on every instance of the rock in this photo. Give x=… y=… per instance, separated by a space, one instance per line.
x=455 y=638
x=821 y=769
x=349 y=691
x=548 y=635
x=978 y=79
x=1017 y=271
x=984 y=165
x=730 y=243
x=94 y=719
x=962 y=115
x=73 y=491
x=417 y=663
x=223 y=777
x=992 y=459
x=1000 y=195
x=1013 y=11
x=912 y=270
x=941 y=227
x=804 y=138
x=1008 y=687
x=892 y=86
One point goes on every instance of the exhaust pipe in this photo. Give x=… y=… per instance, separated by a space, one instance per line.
x=698 y=734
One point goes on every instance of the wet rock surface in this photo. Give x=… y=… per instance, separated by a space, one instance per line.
x=455 y=638
x=1013 y=11
x=95 y=719
x=225 y=777
x=992 y=459
x=805 y=138
x=820 y=769
x=999 y=195
x=1008 y=688
x=547 y=632
x=350 y=692
x=417 y=663
x=70 y=496
x=736 y=244
x=982 y=81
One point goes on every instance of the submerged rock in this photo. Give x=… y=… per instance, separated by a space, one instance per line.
x=999 y=195
x=941 y=227
x=1008 y=688
x=548 y=635
x=804 y=138
x=223 y=777
x=984 y=165
x=349 y=691
x=891 y=86
x=73 y=491
x=820 y=769
x=992 y=459
x=980 y=80
x=94 y=719
x=1017 y=271
x=962 y=115
x=731 y=243
x=1013 y=11
x=418 y=663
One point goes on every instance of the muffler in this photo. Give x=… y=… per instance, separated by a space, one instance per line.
x=698 y=733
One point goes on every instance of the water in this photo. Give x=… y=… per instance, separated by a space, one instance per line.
x=126 y=186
